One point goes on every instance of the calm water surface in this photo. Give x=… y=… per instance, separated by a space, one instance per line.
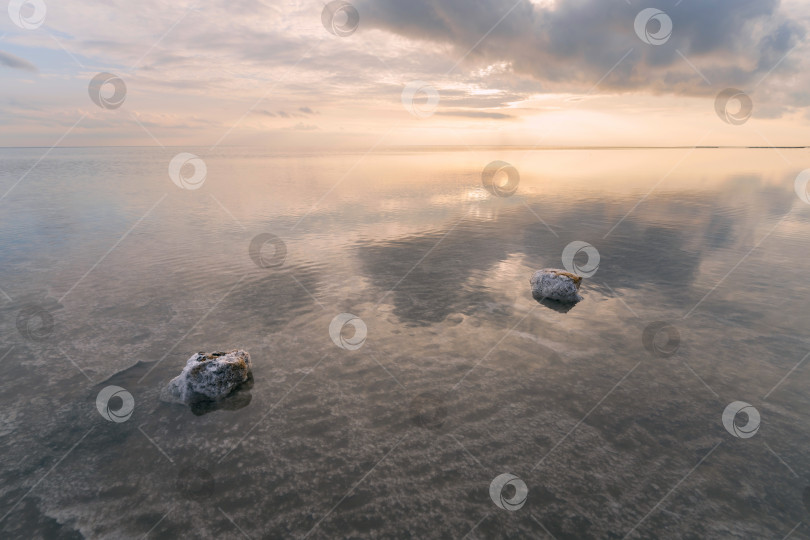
x=463 y=376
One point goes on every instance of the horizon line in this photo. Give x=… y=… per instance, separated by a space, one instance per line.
x=445 y=147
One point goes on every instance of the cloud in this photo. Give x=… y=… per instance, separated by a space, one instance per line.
x=476 y=114
x=572 y=45
x=222 y=61
x=300 y=126
x=299 y=113
x=15 y=62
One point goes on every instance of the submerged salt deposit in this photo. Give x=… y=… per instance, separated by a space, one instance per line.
x=208 y=376
x=553 y=284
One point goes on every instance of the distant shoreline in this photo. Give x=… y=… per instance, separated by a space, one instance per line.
x=437 y=148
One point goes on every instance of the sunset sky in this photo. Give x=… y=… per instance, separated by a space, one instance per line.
x=540 y=72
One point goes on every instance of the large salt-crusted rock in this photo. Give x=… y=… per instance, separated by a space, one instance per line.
x=553 y=284
x=208 y=376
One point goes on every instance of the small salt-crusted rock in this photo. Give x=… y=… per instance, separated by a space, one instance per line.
x=553 y=284
x=208 y=376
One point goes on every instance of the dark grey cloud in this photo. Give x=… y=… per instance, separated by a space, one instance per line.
x=577 y=42
x=15 y=62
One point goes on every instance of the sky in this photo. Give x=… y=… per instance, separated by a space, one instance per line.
x=372 y=74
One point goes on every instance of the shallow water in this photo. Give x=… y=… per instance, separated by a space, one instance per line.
x=463 y=376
